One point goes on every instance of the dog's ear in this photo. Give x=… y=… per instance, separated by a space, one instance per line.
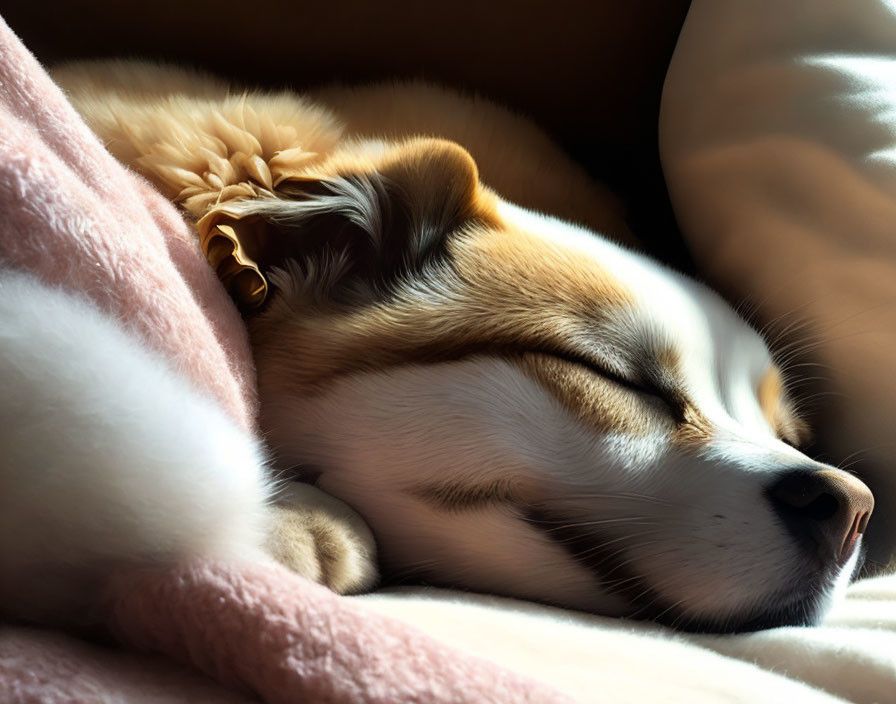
x=351 y=227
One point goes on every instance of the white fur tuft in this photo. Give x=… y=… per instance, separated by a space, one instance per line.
x=108 y=456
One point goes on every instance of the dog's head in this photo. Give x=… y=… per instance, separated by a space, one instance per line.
x=520 y=406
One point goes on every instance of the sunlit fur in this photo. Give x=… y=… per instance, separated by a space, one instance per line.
x=513 y=402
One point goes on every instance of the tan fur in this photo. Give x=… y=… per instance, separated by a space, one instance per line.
x=778 y=410
x=598 y=401
x=322 y=539
x=213 y=142
x=769 y=394
x=465 y=496
x=197 y=142
x=693 y=430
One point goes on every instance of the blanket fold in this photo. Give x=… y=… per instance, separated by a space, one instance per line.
x=266 y=631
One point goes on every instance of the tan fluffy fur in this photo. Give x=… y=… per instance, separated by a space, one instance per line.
x=212 y=142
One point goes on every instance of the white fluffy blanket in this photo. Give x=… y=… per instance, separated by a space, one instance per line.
x=851 y=657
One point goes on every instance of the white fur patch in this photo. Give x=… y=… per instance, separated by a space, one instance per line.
x=108 y=455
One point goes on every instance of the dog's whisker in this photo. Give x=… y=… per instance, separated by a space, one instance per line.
x=624 y=549
x=823 y=332
x=795 y=326
x=628 y=549
x=637 y=520
x=614 y=584
x=639 y=596
x=682 y=615
x=602 y=544
x=799 y=365
x=671 y=607
x=803 y=380
x=793 y=351
x=626 y=495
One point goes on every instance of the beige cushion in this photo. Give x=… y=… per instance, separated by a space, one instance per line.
x=850 y=657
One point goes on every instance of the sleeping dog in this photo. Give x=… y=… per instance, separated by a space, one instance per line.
x=447 y=342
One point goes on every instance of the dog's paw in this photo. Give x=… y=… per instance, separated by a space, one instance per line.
x=321 y=538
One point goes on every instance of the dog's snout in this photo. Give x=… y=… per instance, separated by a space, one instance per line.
x=829 y=506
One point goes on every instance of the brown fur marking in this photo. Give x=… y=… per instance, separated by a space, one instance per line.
x=778 y=411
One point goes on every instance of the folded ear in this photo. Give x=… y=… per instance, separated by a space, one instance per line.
x=350 y=227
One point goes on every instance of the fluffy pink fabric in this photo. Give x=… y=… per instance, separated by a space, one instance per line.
x=43 y=667
x=74 y=216
x=285 y=639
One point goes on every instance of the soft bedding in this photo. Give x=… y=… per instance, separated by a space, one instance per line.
x=223 y=632
x=851 y=657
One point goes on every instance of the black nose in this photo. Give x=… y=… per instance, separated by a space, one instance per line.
x=828 y=507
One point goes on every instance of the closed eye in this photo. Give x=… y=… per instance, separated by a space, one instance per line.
x=676 y=406
x=608 y=374
x=578 y=361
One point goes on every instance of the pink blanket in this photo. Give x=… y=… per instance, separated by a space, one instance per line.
x=71 y=214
